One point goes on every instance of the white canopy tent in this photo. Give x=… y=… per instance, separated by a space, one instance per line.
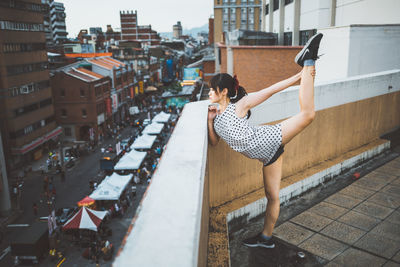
x=144 y=141
x=130 y=161
x=111 y=187
x=154 y=128
x=162 y=117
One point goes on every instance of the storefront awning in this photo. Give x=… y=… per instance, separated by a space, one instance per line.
x=34 y=144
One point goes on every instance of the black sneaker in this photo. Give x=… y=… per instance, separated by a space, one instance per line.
x=310 y=50
x=258 y=241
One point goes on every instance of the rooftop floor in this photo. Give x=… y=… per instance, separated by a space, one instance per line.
x=346 y=222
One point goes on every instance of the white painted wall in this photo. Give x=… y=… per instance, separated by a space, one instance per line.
x=309 y=13
x=356 y=50
x=367 y=12
x=315 y=14
x=289 y=17
x=276 y=21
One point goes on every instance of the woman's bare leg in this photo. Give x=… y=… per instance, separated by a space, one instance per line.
x=294 y=125
x=272 y=175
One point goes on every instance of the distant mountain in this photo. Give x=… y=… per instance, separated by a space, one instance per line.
x=193 y=31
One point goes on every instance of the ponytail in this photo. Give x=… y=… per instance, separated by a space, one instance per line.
x=235 y=91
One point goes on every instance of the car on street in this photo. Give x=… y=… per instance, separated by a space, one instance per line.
x=64 y=214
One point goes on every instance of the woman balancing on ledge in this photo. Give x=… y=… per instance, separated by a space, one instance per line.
x=266 y=142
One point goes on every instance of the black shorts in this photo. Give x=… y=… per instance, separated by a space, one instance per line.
x=278 y=153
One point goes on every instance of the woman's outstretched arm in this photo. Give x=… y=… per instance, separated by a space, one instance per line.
x=213 y=138
x=257 y=98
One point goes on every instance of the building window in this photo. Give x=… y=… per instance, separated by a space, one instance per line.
x=25 y=68
x=287 y=38
x=251 y=10
x=23 y=47
x=305 y=35
x=266 y=9
x=62 y=92
x=63 y=113
x=82 y=92
x=276 y=4
x=21 y=26
x=244 y=1
x=218 y=2
x=84 y=113
x=287 y=2
x=67 y=131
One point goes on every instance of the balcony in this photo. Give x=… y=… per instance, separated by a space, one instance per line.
x=196 y=184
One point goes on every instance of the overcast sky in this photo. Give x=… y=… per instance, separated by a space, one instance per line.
x=161 y=14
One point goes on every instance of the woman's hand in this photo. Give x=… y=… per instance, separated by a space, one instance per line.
x=212 y=112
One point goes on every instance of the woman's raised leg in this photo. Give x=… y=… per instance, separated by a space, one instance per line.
x=294 y=125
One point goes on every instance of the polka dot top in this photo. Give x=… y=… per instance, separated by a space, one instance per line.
x=258 y=142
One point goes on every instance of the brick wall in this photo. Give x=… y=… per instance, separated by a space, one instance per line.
x=73 y=102
x=258 y=67
x=209 y=70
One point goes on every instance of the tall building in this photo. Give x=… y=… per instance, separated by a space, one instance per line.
x=57 y=17
x=27 y=119
x=295 y=21
x=236 y=14
x=177 y=30
x=131 y=31
x=5 y=202
x=47 y=24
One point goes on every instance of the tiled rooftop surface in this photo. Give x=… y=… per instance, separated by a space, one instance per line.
x=358 y=225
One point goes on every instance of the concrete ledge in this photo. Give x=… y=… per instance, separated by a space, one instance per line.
x=167 y=227
x=297 y=184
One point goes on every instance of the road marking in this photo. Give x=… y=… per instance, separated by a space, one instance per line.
x=18 y=225
x=5 y=252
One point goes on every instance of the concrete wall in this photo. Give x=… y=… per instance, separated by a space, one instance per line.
x=358 y=49
x=367 y=12
x=171 y=226
x=258 y=67
x=350 y=114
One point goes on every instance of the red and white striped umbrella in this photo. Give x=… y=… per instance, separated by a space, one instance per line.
x=85 y=218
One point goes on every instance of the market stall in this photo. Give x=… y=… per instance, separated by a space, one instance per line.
x=153 y=128
x=162 y=117
x=130 y=161
x=111 y=187
x=85 y=202
x=144 y=141
x=85 y=218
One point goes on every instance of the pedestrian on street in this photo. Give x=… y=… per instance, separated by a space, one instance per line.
x=266 y=142
x=35 y=209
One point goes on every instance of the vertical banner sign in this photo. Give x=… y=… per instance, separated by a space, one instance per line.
x=118 y=148
x=91 y=134
x=131 y=90
x=136 y=90
x=114 y=102
x=108 y=106
x=141 y=87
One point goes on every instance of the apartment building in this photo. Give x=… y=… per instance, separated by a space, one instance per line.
x=130 y=30
x=295 y=21
x=81 y=98
x=236 y=14
x=57 y=17
x=27 y=120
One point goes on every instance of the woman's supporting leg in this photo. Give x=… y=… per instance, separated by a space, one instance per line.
x=294 y=125
x=272 y=181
